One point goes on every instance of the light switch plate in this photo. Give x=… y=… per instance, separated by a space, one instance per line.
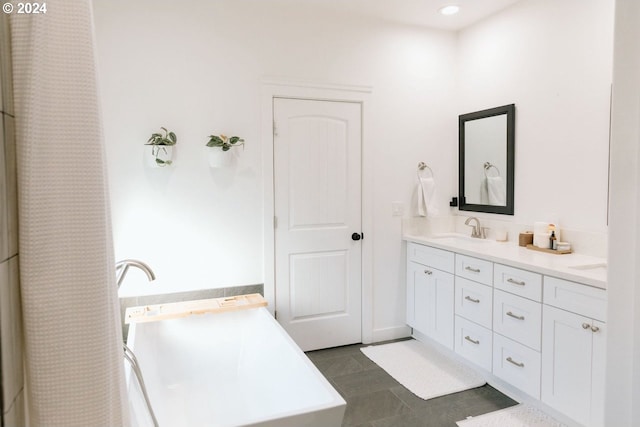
x=397 y=208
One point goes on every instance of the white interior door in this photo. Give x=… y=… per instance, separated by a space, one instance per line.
x=317 y=180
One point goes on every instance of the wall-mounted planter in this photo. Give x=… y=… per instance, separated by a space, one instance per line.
x=159 y=156
x=220 y=149
x=160 y=149
x=219 y=158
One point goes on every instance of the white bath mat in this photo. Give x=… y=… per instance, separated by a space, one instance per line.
x=425 y=371
x=521 y=415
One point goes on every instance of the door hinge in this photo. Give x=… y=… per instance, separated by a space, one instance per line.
x=275 y=130
x=275 y=314
x=275 y=222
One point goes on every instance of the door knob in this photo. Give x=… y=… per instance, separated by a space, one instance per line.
x=356 y=236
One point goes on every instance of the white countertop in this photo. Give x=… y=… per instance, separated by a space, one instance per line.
x=585 y=269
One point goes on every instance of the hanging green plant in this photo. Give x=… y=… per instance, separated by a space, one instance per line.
x=224 y=142
x=161 y=146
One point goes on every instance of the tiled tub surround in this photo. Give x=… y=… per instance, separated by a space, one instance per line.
x=534 y=323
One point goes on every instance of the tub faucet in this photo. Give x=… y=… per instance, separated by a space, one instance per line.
x=476 y=231
x=123 y=266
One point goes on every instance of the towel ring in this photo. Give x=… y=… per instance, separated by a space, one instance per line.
x=421 y=167
x=488 y=166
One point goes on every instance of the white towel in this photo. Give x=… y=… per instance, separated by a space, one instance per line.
x=496 y=191
x=484 y=192
x=426 y=190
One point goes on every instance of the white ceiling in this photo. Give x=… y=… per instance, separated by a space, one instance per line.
x=414 y=12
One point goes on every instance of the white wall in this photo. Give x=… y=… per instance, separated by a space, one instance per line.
x=196 y=67
x=623 y=318
x=553 y=59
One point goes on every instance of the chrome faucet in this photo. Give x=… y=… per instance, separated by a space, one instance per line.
x=477 y=231
x=123 y=266
x=121 y=270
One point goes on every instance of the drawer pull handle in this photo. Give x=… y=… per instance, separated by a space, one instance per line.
x=515 y=316
x=586 y=326
x=428 y=272
x=468 y=298
x=595 y=329
x=518 y=364
x=473 y=270
x=468 y=338
x=515 y=282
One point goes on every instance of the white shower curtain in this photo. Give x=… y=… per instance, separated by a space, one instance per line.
x=73 y=348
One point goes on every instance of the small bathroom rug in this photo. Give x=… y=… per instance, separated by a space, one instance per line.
x=521 y=415
x=423 y=370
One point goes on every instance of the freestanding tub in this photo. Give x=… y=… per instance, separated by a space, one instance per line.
x=237 y=368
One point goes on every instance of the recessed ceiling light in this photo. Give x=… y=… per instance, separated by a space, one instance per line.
x=449 y=10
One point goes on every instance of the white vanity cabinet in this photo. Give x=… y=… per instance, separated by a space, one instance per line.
x=430 y=291
x=540 y=334
x=573 y=350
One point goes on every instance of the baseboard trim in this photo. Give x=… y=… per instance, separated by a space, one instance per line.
x=392 y=333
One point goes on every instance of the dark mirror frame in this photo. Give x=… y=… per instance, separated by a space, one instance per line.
x=510 y=111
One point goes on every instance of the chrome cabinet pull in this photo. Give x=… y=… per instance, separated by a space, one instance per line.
x=428 y=272
x=473 y=270
x=588 y=326
x=468 y=298
x=515 y=282
x=468 y=338
x=518 y=364
x=515 y=316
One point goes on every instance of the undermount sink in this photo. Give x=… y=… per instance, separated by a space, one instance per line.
x=595 y=266
x=458 y=238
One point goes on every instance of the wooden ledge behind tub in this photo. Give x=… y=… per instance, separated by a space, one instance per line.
x=173 y=310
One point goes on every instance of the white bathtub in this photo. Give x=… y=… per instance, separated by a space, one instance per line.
x=230 y=369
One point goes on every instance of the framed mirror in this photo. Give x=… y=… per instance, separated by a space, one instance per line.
x=486 y=160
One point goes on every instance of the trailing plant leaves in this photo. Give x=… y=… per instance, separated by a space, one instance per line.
x=169 y=138
x=215 y=141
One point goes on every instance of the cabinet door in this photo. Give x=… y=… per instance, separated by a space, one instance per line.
x=567 y=348
x=413 y=272
x=430 y=302
x=598 y=372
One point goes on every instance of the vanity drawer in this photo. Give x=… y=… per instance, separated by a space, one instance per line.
x=516 y=364
x=474 y=269
x=432 y=257
x=517 y=318
x=474 y=301
x=517 y=281
x=473 y=342
x=575 y=297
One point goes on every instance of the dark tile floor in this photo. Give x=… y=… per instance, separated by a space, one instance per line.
x=375 y=399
